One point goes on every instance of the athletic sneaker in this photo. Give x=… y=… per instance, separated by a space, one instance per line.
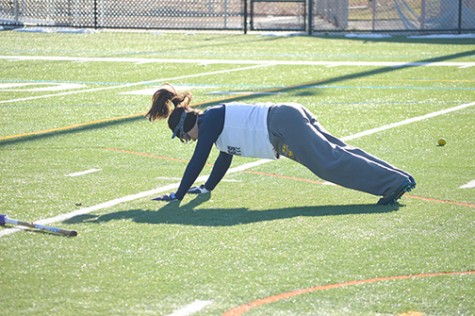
x=392 y=197
x=412 y=180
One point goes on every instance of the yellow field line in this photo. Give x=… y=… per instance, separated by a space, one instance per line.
x=233 y=97
x=79 y=125
x=69 y=127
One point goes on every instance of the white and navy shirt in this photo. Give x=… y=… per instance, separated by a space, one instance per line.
x=236 y=129
x=245 y=131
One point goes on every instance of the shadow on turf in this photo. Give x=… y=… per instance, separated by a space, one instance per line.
x=297 y=90
x=174 y=213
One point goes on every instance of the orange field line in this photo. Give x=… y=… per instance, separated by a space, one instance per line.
x=282 y=296
x=440 y=201
x=119 y=118
x=320 y=182
x=274 y=175
x=279 y=176
x=136 y=153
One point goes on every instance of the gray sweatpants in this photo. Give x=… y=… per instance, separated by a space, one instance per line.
x=295 y=133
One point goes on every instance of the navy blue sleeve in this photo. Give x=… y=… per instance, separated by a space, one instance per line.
x=219 y=170
x=210 y=126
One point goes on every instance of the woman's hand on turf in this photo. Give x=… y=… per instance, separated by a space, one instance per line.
x=167 y=197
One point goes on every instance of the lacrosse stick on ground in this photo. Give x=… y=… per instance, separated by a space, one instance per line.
x=4 y=219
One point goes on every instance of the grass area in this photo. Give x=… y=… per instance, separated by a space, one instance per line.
x=268 y=230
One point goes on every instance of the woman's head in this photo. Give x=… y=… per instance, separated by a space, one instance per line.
x=174 y=105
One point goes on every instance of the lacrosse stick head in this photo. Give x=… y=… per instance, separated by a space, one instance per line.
x=3 y=218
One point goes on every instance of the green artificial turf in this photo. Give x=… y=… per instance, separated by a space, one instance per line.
x=270 y=229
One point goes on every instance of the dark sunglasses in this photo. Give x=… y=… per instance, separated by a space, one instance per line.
x=179 y=130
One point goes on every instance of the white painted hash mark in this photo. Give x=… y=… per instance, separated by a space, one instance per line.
x=128 y=198
x=469 y=185
x=192 y=308
x=82 y=173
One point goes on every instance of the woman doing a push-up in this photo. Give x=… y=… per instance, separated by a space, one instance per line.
x=267 y=130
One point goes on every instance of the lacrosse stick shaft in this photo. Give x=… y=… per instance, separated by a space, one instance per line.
x=54 y=230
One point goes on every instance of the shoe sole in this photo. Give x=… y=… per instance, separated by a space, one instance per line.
x=407 y=188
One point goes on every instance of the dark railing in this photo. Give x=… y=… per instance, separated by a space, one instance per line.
x=401 y=16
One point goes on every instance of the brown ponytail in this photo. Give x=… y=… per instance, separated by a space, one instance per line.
x=165 y=100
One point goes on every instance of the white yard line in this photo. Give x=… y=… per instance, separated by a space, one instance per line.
x=254 y=64
x=168 y=178
x=179 y=179
x=191 y=309
x=50 y=86
x=243 y=167
x=128 y=198
x=82 y=173
x=225 y=71
x=469 y=185
x=239 y=61
x=409 y=121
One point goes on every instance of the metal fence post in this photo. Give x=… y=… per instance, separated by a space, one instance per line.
x=310 y=17
x=16 y=12
x=95 y=14
x=373 y=20
x=460 y=18
x=245 y=16
x=423 y=14
x=225 y=14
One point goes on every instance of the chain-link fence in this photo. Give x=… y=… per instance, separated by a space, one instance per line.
x=143 y=14
x=412 y=16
